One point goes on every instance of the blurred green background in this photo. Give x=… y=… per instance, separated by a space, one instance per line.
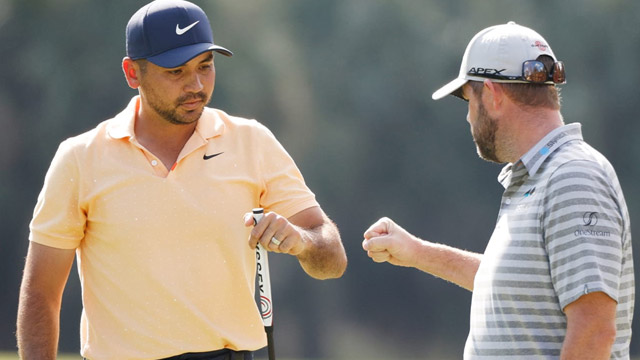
x=346 y=87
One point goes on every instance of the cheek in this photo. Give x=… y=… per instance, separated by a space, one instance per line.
x=211 y=79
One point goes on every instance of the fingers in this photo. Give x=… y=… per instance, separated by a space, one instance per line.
x=275 y=233
x=376 y=236
x=380 y=227
x=383 y=241
x=379 y=256
x=377 y=244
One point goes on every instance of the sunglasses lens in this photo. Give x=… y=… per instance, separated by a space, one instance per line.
x=534 y=71
x=559 y=76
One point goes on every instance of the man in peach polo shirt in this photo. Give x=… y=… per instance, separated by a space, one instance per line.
x=151 y=203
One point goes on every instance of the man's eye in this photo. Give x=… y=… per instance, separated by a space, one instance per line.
x=175 y=72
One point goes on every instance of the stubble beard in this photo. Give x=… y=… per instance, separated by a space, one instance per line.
x=484 y=135
x=170 y=112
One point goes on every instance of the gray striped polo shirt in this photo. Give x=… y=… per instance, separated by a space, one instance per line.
x=562 y=231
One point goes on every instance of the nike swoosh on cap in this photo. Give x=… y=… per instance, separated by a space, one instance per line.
x=184 y=30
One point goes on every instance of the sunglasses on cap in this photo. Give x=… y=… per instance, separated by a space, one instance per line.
x=533 y=71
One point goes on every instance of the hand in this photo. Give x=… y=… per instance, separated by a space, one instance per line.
x=387 y=241
x=274 y=226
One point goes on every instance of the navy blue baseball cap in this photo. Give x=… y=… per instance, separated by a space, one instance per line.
x=169 y=33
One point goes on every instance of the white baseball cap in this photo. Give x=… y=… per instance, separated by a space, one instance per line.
x=498 y=53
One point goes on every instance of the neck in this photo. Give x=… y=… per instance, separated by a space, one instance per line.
x=526 y=128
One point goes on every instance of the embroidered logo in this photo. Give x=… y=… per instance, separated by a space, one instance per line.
x=590 y=218
x=184 y=30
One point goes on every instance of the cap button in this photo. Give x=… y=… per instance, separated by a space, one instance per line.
x=511 y=23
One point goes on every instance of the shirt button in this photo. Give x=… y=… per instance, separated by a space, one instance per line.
x=508 y=201
x=154 y=162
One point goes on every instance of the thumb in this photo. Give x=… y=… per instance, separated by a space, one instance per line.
x=248 y=219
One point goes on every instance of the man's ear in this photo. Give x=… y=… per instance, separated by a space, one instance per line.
x=496 y=93
x=131 y=72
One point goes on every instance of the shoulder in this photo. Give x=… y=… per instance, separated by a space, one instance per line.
x=578 y=159
x=232 y=120
x=236 y=125
x=83 y=141
x=580 y=171
x=90 y=147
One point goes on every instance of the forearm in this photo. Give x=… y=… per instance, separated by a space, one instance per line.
x=37 y=328
x=387 y=241
x=45 y=275
x=324 y=256
x=451 y=264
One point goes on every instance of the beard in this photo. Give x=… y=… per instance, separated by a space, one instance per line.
x=170 y=113
x=484 y=135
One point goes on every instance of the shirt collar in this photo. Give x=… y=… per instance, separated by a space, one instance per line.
x=122 y=125
x=535 y=157
x=209 y=125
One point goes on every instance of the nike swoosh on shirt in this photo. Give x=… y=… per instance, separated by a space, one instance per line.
x=207 y=157
x=182 y=31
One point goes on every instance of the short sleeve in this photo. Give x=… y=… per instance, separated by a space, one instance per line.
x=58 y=220
x=583 y=228
x=285 y=191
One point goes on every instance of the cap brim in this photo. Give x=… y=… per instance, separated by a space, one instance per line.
x=449 y=88
x=177 y=57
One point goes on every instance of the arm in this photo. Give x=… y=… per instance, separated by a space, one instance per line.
x=591 y=327
x=387 y=241
x=591 y=257
x=45 y=275
x=309 y=235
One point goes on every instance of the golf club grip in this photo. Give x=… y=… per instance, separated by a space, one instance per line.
x=264 y=287
x=264 y=278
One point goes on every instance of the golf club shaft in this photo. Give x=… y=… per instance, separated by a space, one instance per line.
x=264 y=288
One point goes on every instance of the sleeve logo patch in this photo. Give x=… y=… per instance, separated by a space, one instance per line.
x=590 y=219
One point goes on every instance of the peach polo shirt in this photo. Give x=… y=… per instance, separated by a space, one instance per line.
x=163 y=255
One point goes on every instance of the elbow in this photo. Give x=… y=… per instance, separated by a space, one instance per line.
x=339 y=269
x=327 y=269
x=335 y=271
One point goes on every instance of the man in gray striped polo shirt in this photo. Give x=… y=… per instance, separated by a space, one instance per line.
x=556 y=278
